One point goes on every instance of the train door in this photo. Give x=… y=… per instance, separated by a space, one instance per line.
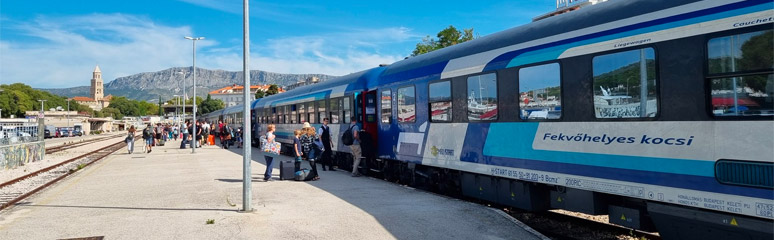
x=365 y=111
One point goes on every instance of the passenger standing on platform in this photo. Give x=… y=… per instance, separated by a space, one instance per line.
x=199 y=133
x=297 y=149
x=184 y=130
x=206 y=132
x=325 y=136
x=147 y=135
x=130 y=139
x=226 y=132
x=269 y=159
x=310 y=149
x=356 y=151
x=239 y=137
x=221 y=131
x=174 y=132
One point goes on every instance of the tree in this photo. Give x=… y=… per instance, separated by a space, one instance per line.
x=210 y=105
x=111 y=112
x=125 y=106
x=273 y=89
x=447 y=37
x=259 y=94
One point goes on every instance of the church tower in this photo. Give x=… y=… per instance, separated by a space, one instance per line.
x=97 y=92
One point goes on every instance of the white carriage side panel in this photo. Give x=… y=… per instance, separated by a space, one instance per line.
x=683 y=140
x=707 y=140
x=744 y=140
x=444 y=144
x=475 y=63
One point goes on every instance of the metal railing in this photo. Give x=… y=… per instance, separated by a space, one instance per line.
x=14 y=133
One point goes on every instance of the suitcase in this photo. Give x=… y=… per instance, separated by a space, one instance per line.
x=287 y=169
x=161 y=142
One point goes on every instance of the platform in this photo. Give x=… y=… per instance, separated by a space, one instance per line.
x=171 y=194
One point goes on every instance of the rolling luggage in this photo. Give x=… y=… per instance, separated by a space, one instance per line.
x=161 y=142
x=287 y=169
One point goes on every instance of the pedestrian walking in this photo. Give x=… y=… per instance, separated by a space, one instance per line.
x=147 y=135
x=130 y=139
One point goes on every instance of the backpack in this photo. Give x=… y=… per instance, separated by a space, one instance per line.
x=146 y=133
x=348 y=139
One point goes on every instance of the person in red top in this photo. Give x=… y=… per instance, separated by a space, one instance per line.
x=221 y=131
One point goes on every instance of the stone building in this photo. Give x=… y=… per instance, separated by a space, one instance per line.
x=97 y=101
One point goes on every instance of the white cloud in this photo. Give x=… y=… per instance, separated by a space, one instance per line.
x=62 y=52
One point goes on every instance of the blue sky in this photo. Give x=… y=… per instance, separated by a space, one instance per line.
x=55 y=44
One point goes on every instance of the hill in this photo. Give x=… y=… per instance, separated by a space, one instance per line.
x=149 y=85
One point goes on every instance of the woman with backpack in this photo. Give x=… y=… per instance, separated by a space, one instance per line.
x=147 y=135
x=130 y=139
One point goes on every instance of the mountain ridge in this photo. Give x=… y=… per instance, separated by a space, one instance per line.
x=148 y=86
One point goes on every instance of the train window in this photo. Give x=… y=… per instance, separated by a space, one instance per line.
x=625 y=84
x=335 y=103
x=736 y=94
x=293 y=114
x=482 y=101
x=740 y=53
x=310 y=112
x=407 y=104
x=302 y=113
x=346 y=110
x=386 y=108
x=321 y=113
x=540 y=92
x=440 y=102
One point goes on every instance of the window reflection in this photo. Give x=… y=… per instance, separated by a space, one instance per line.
x=406 y=104
x=743 y=52
x=440 y=102
x=540 y=92
x=482 y=98
x=735 y=94
x=386 y=106
x=625 y=84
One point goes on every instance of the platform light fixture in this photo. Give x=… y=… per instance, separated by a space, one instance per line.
x=193 y=119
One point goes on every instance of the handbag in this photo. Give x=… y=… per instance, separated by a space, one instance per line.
x=269 y=148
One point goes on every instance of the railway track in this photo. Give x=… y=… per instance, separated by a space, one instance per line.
x=63 y=147
x=15 y=190
x=557 y=225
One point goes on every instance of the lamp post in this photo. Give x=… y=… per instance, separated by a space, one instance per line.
x=177 y=116
x=68 y=113
x=41 y=107
x=193 y=119
x=246 y=123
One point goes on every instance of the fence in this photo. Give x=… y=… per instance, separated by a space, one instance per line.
x=18 y=132
x=21 y=142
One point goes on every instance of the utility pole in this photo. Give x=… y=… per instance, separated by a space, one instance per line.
x=246 y=136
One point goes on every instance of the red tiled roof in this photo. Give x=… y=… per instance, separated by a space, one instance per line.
x=83 y=99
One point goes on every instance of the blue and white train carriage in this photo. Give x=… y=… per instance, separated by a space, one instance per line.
x=658 y=113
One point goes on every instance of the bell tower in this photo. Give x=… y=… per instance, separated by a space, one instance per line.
x=97 y=92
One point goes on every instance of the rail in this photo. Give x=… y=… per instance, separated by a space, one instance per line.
x=22 y=187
